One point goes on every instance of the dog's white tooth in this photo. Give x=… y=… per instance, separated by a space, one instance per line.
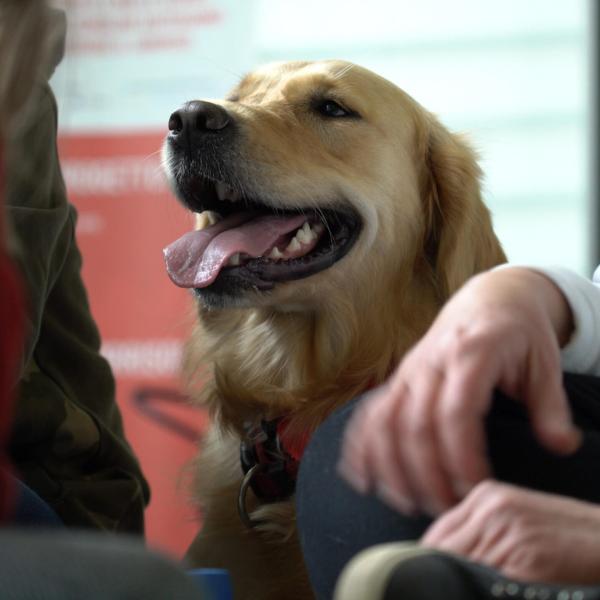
x=303 y=237
x=234 y=259
x=310 y=231
x=305 y=234
x=318 y=228
x=275 y=253
x=294 y=245
x=211 y=217
x=222 y=190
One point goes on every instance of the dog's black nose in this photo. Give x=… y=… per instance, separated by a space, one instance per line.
x=198 y=117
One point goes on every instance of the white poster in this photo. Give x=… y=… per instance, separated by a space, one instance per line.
x=130 y=63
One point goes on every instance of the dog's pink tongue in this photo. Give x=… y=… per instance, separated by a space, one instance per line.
x=196 y=258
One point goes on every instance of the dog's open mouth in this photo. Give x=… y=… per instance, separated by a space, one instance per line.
x=254 y=245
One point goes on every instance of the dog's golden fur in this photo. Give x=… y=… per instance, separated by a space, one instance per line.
x=310 y=345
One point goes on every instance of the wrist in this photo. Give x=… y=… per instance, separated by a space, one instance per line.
x=535 y=285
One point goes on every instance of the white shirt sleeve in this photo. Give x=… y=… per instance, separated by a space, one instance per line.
x=582 y=352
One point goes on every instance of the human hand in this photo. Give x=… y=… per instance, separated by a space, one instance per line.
x=527 y=535
x=419 y=440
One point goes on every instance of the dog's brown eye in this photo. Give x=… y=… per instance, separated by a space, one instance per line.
x=329 y=108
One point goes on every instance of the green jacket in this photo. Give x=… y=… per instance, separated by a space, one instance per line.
x=67 y=441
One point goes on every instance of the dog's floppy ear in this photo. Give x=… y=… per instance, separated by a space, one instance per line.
x=460 y=240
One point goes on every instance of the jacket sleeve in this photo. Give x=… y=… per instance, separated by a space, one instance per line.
x=582 y=352
x=37 y=210
x=67 y=441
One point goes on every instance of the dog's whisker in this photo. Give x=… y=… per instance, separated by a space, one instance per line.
x=152 y=154
x=325 y=222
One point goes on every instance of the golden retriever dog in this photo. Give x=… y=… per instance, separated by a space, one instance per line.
x=335 y=217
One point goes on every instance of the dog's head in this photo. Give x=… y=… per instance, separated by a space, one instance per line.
x=313 y=175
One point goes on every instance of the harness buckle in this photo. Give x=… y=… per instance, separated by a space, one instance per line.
x=268 y=469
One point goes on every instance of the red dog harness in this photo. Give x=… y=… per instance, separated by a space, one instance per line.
x=270 y=459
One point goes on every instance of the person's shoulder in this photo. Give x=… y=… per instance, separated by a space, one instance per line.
x=57 y=26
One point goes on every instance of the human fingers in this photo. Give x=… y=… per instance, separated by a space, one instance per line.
x=385 y=466
x=369 y=421
x=476 y=526
x=352 y=464
x=417 y=442
x=547 y=402
x=453 y=531
x=455 y=518
x=464 y=400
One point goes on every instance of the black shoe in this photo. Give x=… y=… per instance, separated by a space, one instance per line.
x=406 y=571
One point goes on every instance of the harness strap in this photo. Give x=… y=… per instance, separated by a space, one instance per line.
x=270 y=456
x=265 y=446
